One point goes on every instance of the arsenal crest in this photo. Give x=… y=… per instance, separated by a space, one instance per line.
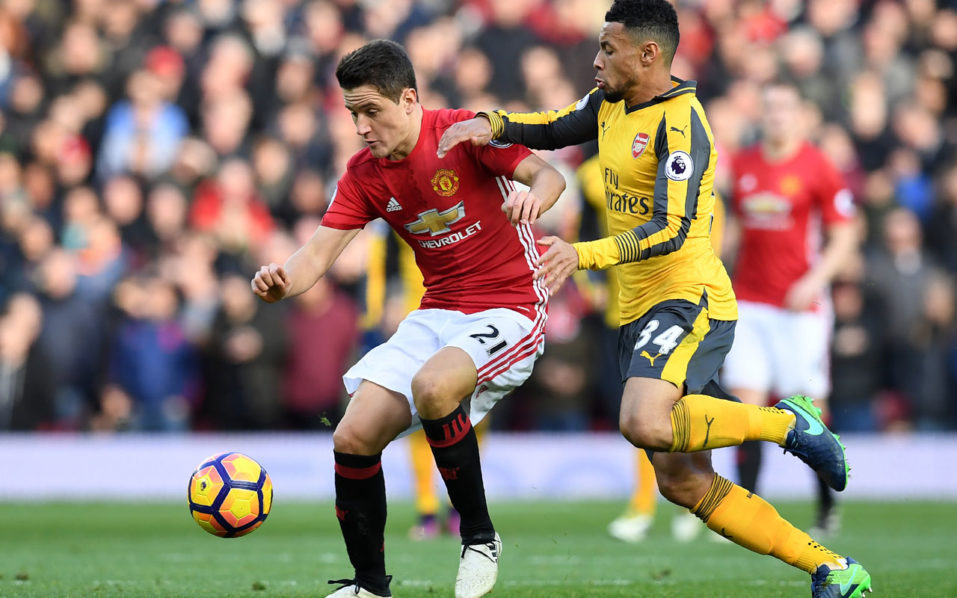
x=639 y=144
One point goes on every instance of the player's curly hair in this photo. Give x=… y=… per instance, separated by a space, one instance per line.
x=644 y=19
x=381 y=63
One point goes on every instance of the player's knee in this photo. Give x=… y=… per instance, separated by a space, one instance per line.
x=434 y=395
x=683 y=488
x=644 y=432
x=348 y=439
x=427 y=388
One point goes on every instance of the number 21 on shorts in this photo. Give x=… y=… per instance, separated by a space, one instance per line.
x=489 y=340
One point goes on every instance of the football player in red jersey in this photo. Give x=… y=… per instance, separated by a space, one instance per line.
x=478 y=329
x=795 y=222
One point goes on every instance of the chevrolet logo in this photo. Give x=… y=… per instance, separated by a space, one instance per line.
x=435 y=222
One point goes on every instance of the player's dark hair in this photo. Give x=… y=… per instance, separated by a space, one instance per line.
x=655 y=19
x=382 y=64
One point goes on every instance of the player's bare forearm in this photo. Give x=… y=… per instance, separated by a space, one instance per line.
x=545 y=186
x=304 y=267
x=841 y=244
x=558 y=262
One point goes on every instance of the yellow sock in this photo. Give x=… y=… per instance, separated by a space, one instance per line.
x=423 y=463
x=749 y=521
x=700 y=422
x=644 y=498
x=481 y=429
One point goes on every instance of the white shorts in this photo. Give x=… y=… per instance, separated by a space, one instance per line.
x=779 y=351
x=502 y=343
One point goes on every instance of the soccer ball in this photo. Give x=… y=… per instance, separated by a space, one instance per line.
x=229 y=495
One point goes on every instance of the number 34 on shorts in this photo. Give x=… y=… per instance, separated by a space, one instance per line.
x=675 y=341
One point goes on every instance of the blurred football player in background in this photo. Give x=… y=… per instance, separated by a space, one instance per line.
x=794 y=230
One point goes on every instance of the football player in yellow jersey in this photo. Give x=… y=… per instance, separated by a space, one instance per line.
x=633 y=525
x=676 y=304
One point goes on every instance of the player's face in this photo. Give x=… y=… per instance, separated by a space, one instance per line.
x=616 y=62
x=385 y=126
x=782 y=114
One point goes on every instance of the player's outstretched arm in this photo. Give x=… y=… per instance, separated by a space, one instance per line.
x=545 y=185
x=571 y=125
x=476 y=130
x=303 y=268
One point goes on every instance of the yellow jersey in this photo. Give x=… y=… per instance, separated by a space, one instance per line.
x=657 y=164
x=589 y=175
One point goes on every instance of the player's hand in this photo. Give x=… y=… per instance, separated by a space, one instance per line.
x=557 y=263
x=477 y=130
x=803 y=294
x=270 y=283
x=522 y=206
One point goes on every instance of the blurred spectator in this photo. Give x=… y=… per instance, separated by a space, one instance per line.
x=274 y=173
x=191 y=265
x=942 y=226
x=27 y=392
x=101 y=262
x=166 y=212
x=152 y=379
x=123 y=204
x=503 y=40
x=73 y=336
x=245 y=353
x=225 y=120
x=857 y=347
x=143 y=133
x=323 y=332
x=935 y=337
x=230 y=209
x=902 y=273
x=81 y=53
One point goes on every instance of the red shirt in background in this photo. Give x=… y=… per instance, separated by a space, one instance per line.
x=781 y=207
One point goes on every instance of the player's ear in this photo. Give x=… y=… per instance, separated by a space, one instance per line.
x=409 y=98
x=648 y=51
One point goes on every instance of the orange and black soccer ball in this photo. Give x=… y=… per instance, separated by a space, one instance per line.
x=229 y=495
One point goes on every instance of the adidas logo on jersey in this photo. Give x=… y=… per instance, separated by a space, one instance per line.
x=393 y=205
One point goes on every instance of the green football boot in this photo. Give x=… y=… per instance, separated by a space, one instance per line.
x=853 y=582
x=813 y=443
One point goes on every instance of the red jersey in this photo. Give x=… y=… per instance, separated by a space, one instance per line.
x=449 y=211
x=781 y=207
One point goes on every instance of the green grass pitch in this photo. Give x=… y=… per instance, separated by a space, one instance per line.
x=552 y=550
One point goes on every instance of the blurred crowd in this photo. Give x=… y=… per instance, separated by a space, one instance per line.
x=154 y=154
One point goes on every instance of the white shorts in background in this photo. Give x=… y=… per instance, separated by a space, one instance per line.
x=780 y=351
x=503 y=344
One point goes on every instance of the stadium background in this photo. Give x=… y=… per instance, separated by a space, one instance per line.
x=152 y=154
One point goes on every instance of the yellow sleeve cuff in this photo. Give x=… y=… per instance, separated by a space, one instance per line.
x=597 y=255
x=495 y=119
